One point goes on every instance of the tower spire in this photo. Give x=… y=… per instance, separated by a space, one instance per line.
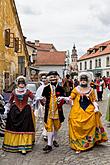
x=74 y=57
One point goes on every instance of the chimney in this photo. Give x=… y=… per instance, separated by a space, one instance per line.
x=36 y=42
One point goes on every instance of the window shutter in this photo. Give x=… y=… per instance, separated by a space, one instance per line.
x=7 y=37
x=17 y=45
x=11 y=40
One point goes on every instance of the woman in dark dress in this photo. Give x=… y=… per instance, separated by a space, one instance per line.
x=20 y=131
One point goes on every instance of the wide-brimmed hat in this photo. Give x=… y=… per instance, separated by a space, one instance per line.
x=21 y=79
x=85 y=75
x=55 y=73
x=42 y=73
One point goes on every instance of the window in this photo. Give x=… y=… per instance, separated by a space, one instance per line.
x=89 y=51
x=94 y=50
x=107 y=61
x=85 y=65
x=21 y=65
x=107 y=73
x=101 y=48
x=96 y=63
x=17 y=45
x=9 y=38
x=90 y=64
x=99 y=62
x=80 y=66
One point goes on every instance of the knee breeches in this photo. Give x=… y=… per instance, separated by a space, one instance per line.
x=52 y=125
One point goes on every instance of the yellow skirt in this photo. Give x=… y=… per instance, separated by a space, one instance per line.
x=86 y=131
x=19 y=141
x=14 y=142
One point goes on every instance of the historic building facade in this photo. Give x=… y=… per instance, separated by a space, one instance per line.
x=96 y=60
x=45 y=57
x=13 y=51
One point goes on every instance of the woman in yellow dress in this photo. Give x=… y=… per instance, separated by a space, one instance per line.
x=85 y=127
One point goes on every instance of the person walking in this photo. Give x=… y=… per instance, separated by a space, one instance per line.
x=38 y=98
x=20 y=131
x=85 y=127
x=99 y=88
x=67 y=84
x=53 y=116
x=38 y=95
x=75 y=83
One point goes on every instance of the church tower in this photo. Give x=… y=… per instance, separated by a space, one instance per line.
x=74 y=58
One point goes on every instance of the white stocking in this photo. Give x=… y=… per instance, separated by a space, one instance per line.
x=50 y=136
x=44 y=133
x=54 y=135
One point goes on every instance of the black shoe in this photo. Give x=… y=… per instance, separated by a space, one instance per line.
x=55 y=143
x=47 y=148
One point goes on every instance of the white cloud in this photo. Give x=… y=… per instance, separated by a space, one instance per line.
x=65 y=22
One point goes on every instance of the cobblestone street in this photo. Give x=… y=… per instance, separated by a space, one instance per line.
x=99 y=155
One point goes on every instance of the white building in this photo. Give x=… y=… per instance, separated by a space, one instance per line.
x=46 y=57
x=96 y=60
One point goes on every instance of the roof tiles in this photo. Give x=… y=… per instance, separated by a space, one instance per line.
x=92 y=54
x=50 y=58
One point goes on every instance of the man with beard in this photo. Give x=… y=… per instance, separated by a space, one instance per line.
x=53 y=116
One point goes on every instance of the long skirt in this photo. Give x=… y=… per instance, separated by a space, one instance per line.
x=86 y=131
x=20 y=130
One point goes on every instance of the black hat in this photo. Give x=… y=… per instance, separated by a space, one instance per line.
x=53 y=73
x=67 y=76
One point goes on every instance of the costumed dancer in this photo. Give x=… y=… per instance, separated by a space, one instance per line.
x=85 y=127
x=20 y=131
x=53 y=116
x=38 y=98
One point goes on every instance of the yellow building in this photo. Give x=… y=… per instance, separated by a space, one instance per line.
x=13 y=51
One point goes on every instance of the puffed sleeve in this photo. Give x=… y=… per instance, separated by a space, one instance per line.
x=30 y=94
x=73 y=94
x=11 y=97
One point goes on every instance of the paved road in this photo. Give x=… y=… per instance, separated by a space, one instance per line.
x=99 y=155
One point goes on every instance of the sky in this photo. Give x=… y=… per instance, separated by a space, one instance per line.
x=64 y=23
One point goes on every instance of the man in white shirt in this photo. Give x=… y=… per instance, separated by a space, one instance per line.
x=39 y=106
